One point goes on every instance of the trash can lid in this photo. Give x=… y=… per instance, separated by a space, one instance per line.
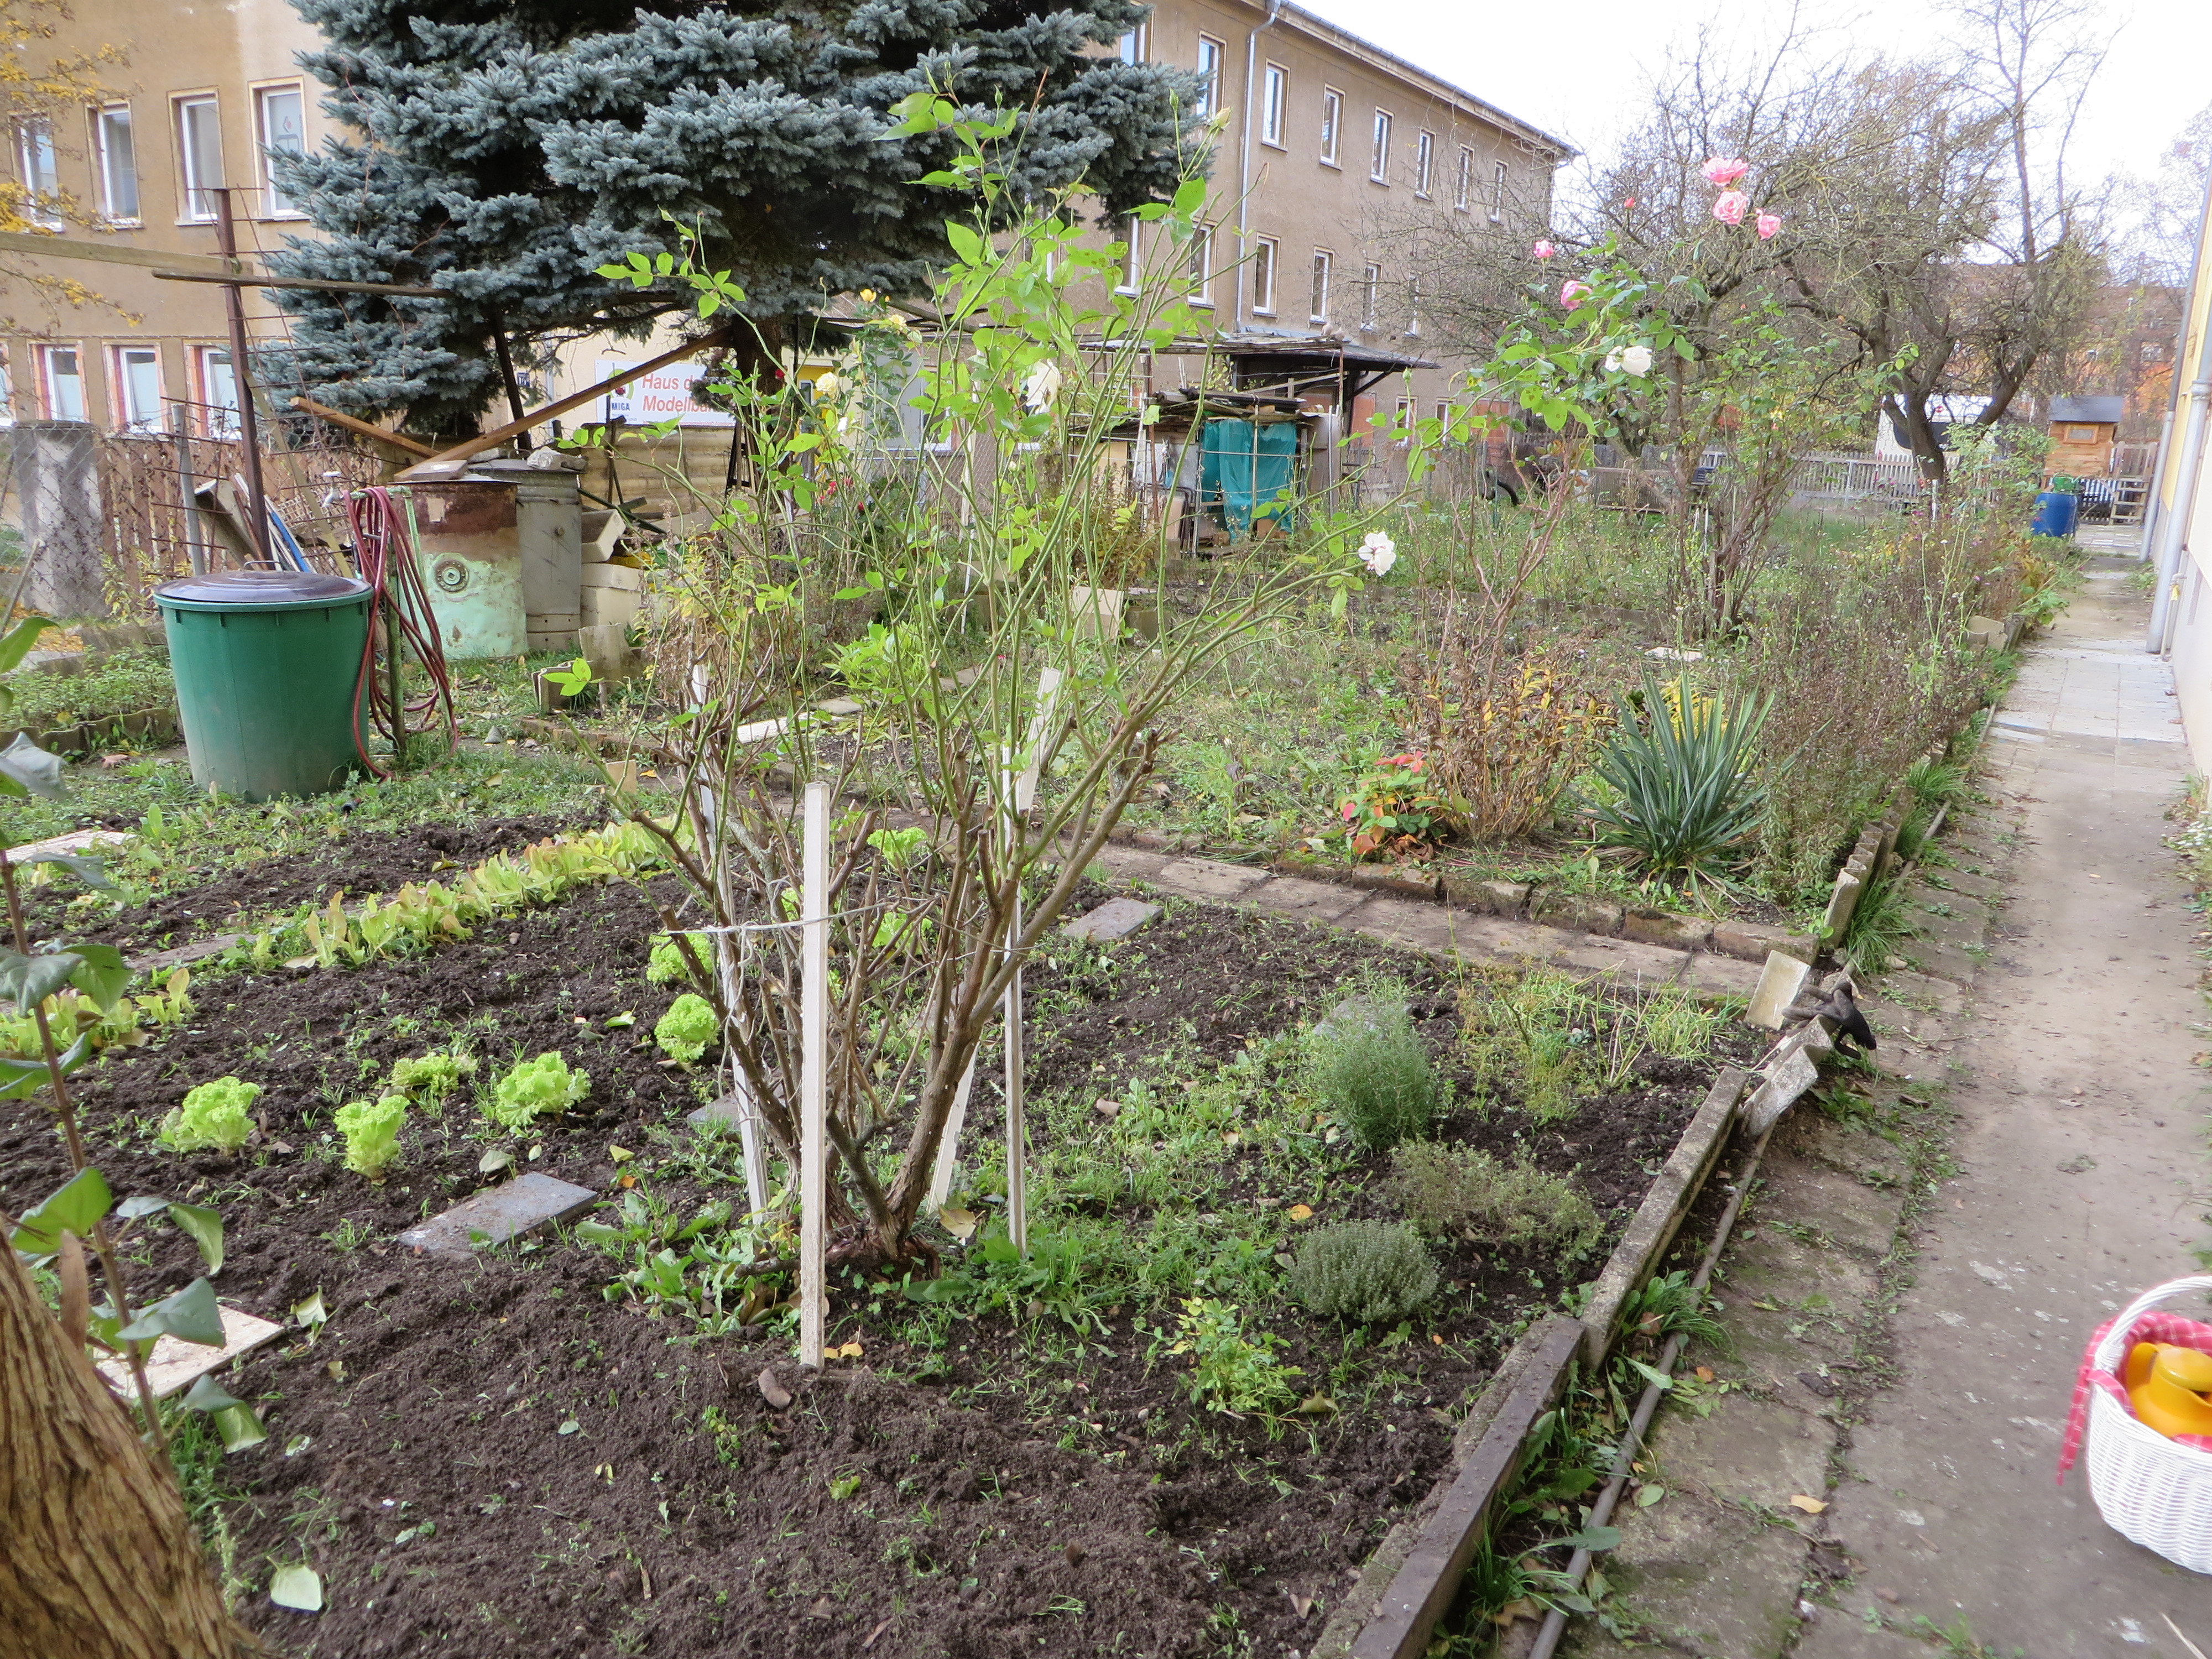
x=259 y=590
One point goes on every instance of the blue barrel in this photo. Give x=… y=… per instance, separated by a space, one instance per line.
x=2054 y=514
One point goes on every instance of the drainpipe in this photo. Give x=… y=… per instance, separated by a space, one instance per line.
x=2187 y=465
x=1244 y=156
x=2189 y=469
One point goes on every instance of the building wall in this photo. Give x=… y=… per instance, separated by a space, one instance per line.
x=238 y=54
x=2192 y=603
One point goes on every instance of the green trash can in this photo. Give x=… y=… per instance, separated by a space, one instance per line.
x=265 y=662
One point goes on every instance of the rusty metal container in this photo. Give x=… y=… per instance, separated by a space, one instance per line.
x=469 y=550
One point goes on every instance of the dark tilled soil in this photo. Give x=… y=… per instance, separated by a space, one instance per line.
x=573 y=1478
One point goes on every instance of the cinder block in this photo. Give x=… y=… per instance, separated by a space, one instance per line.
x=603 y=605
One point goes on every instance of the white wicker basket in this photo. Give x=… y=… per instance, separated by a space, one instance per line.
x=2147 y=1487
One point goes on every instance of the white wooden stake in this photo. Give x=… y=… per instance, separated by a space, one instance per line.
x=948 y=1144
x=1017 y=1209
x=813 y=1073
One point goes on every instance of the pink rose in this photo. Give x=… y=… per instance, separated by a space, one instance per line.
x=1572 y=292
x=1630 y=202
x=1543 y=250
x=1725 y=170
x=1730 y=207
x=1768 y=224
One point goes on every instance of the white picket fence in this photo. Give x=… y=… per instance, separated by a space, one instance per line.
x=1845 y=477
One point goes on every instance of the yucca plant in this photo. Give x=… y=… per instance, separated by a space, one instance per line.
x=1679 y=790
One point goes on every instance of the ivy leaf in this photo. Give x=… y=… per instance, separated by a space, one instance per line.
x=190 y=1315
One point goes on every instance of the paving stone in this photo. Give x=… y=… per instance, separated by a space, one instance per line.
x=723 y=1113
x=1664 y=927
x=1948 y=877
x=1720 y=976
x=1496 y=898
x=174 y=1366
x=1209 y=878
x=1910 y=988
x=1960 y=933
x=1409 y=881
x=1920 y=895
x=1752 y=940
x=838 y=706
x=1842 y=1208
x=183 y=955
x=1576 y=911
x=1849 y=1147
x=1133 y=863
x=1623 y=960
x=501 y=1213
x=1117 y=918
x=1704 y=1580
x=1938 y=960
x=1758 y=1452
x=75 y=843
x=1312 y=901
x=1410 y=923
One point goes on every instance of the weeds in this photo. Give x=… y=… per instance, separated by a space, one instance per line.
x=1463 y=1192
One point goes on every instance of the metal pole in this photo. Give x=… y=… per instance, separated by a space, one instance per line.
x=814 y=1072
x=249 y=428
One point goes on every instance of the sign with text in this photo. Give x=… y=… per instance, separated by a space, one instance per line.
x=662 y=395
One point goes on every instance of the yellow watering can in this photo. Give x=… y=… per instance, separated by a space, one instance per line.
x=2167 y=1387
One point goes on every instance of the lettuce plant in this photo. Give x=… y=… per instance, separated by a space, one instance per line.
x=371 y=1128
x=213 y=1115
x=686 y=1028
x=535 y=1089
x=429 y=1079
x=665 y=966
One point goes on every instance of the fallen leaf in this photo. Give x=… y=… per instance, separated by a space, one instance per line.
x=961 y=1224
x=1704 y=1373
x=1647 y=1496
x=298 y=1587
x=1302 y=1604
x=1076 y=1555
x=1436 y=1339
x=1316 y=1405
x=110 y=762
x=621 y=1154
x=850 y=1351
x=1523 y=1608
x=337 y=1369
x=774 y=1392
x=1106 y=1107
x=1301 y=1212
x=569 y=1425
x=621 y=1022
x=311 y=1313
x=1810 y=1505
x=627 y=1180
x=869 y=1640
x=493 y=1161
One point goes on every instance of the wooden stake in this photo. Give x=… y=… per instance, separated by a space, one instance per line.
x=813 y=1074
x=948 y=1144
x=1018 y=1210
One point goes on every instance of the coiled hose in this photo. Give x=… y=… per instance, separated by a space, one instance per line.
x=400 y=619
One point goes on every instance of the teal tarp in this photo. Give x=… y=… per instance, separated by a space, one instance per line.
x=1242 y=465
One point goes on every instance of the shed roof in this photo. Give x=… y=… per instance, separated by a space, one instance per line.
x=2109 y=410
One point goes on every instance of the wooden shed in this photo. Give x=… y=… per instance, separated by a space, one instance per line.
x=2082 y=433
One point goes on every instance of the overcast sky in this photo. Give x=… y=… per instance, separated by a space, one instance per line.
x=1577 y=69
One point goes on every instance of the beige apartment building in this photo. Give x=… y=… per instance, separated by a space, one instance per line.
x=1329 y=148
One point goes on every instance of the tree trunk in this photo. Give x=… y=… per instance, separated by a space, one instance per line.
x=100 y=1561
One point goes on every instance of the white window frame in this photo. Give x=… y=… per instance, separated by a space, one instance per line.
x=130 y=416
x=1370 y=296
x=1274 y=105
x=1413 y=306
x=1463 y=192
x=1201 y=266
x=1131 y=277
x=1266 y=262
x=221 y=416
x=1402 y=415
x=1131 y=46
x=37 y=165
x=1378 y=159
x=273 y=202
x=1497 y=193
x=109 y=171
x=1332 y=126
x=1212 y=54
x=50 y=376
x=1424 y=164
x=1324 y=269
x=196 y=205
x=1445 y=414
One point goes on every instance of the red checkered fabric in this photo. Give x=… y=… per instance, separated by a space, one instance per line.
x=2150 y=1327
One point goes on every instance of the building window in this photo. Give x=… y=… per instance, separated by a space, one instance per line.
x=1201 y=266
x=1378 y=165
x=217 y=389
x=1332 y=124
x=1445 y=419
x=1402 y=419
x=279 y=115
x=1413 y=304
x=1323 y=261
x=1463 y=192
x=1370 y=295
x=1131 y=46
x=1424 y=163
x=1133 y=265
x=1497 y=195
x=137 y=372
x=1211 y=53
x=199 y=149
x=35 y=166
x=61 y=384
x=1263 y=274
x=1274 y=99
x=115 y=159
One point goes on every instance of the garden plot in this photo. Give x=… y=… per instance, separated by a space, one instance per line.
x=1138 y=1437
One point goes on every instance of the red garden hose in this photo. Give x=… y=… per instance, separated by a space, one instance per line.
x=384 y=555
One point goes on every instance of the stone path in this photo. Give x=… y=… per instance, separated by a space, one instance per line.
x=1906 y=1310
x=1432 y=925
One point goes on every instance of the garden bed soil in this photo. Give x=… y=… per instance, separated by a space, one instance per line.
x=489 y=1457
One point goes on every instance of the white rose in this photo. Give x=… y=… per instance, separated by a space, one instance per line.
x=1378 y=553
x=1041 y=386
x=827 y=386
x=1637 y=360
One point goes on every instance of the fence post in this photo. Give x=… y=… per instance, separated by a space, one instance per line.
x=813 y=1073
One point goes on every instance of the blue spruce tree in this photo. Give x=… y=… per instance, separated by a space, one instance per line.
x=509 y=147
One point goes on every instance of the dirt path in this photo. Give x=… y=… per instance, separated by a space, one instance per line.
x=2081 y=1179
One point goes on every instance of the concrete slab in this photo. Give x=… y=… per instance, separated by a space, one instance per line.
x=498 y=1213
x=1938 y=960
x=1209 y=878
x=1626 y=961
x=1951 y=878
x=1133 y=863
x=174 y=1366
x=183 y=956
x=76 y=841
x=1780 y=984
x=1413 y=923
x=1759 y=1453
x=723 y=1113
x=1925 y=990
x=1702 y=1579
x=1718 y=976
x=1310 y=901
x=1116 y=918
